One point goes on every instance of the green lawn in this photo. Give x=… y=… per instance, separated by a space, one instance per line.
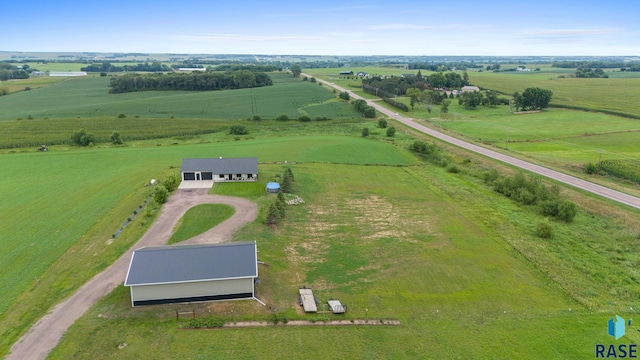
x=199 y=219
x=85 y=194
x=429 y=248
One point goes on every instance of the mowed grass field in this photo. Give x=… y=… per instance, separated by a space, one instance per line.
x=610 y=94
x=56 y=200
x=561 y=136
x=413 y=243
x=88 y=97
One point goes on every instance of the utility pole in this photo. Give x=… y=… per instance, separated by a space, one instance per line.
x=507 y=143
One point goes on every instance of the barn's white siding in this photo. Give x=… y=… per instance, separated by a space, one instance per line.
x=191 y=290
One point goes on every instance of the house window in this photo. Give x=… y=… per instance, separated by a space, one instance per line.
x=221 y=176
x=238 y=175
x=250 y=176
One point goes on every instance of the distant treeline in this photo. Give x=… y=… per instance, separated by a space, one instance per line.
x=596 y=64
x=251 y=67
x=590 y=73
x=108 y=67
x=196 y=81
x=459 y=65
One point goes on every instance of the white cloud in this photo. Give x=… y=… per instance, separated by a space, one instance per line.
x=567 y=35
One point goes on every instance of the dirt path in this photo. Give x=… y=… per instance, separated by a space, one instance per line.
x=45 y=334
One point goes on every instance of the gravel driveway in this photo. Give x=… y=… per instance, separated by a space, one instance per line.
x=45 y=334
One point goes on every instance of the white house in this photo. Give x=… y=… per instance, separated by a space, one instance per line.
x=190 y=273
x=469 y=89
x=219 y=169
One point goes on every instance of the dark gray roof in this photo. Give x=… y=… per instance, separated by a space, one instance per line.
x=221 y=165
x=186 y=263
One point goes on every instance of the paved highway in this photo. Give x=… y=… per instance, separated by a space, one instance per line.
x=552 y=174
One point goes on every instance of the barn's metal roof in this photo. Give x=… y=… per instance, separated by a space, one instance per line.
x=221 y=165
x=190 y=263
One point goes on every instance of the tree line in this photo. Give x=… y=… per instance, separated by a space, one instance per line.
x=108 y=67
x=251 y=67
x=196 y=81
x=398 y=85
x=590 y=73
x=441 y=66
x=590 y=64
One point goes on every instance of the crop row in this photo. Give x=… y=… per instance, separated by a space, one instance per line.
x=625 y=169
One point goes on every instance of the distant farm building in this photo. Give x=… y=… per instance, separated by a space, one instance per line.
x=67 y=73
x=220 y=169
x=362 y=74
x=190 y=69
x=190 y=273
x=346 y=73
x=469 y=89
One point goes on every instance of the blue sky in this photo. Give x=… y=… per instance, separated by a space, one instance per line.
x=402 y=27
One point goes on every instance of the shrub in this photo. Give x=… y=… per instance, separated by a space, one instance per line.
x=365 y=132
x=171 y=183
x=423 y=148
x=567 y=211
x=382 y=123
x=391 y=131
x=590 y=168
x=27 y=88
x=452 y=168
x=282 y=117
x=544 y=230
x=256 y=118
x=304 y=118
x=490 y=176
x=116 y=138
x=369 y=112
x=287 y=183
x=82 y=138
x=161 y=194
x=272 y=215
x=238 y=130
x=121 y=116
x=344 y=96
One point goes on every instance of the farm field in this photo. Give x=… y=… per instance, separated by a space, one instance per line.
x=13 y=86
x=89 y=192
x=430 y=248
x=457 y=264
x=88 y=97
x=610 y=94
x=567 y=136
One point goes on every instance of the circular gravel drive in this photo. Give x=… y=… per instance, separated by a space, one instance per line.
x=45 y=334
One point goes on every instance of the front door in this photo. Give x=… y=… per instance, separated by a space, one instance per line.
x=230 y=177
x=198 y=176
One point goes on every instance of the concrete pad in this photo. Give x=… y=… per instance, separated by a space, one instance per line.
x=192 y=184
